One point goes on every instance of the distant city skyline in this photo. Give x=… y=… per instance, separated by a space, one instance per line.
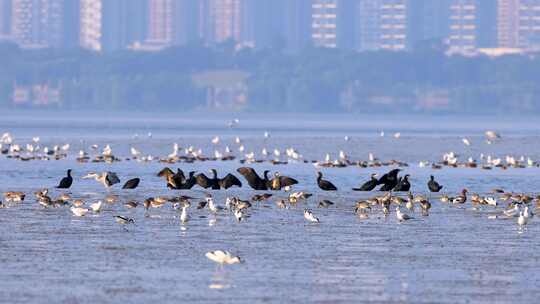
x=462 y=26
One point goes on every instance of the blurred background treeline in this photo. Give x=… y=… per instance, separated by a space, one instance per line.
x=225 y=78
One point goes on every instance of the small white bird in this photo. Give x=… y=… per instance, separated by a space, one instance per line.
x=492 y=135
x=327 y=158
x=233 y=122
x=223 y=257
x=215 y=140
x=346 y=138
x=490 y=201
x=184 y=217
x=134 y=152
x=212 y=206
x=527 y=212
x=96 y=207
x=466 y=141
x=522 y=220
x=239 y=215
x=308 y=215
x=514 y=212
x=107 y=151
x=237 y=140
x=423 y=163
x=266 y=134
x=79 y=211
x=402 y=216
x=397 y=135
x=410 y=205
x=174 y=154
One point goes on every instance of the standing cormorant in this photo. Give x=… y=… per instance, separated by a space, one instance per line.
x=433 y=185
x=389 y=180
x=403 y=184
x=253 y=179
x=324 y=184
x=369 y=185
x=66 y=182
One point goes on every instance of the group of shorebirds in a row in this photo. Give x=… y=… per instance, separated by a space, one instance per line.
x=390 y=183
x=189 y=154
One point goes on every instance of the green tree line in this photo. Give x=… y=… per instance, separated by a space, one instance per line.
x=314 y=80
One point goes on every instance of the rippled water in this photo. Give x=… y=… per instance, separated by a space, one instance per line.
x=454 y=255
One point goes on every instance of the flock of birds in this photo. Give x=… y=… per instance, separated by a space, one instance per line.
x=237 y=150
x=394 y=190
x=394 y=194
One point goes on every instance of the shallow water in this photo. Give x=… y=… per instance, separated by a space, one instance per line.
x=454 y=255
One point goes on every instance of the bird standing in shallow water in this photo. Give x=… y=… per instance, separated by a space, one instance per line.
x=325 y=204
x=108 y=179
x=79 y=211
x=308 y=215
x=66 y=182
x=369 y=185
x=402 y=216
x=184 y=217
x=522 y=220
x=403 y=184
x=425 y=205
x=433 y=185
x=96 y=207
x=389 y=180
x=122 y=220
x=362 y=207
x=15 y=196
x=132 y=183
x=460 y=199
x=239 y=215
x=324 y=184
x=212 y=206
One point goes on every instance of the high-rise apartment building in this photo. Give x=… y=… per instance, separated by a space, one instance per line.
x=37 y=23
x=382 y=24
x=508 y=23
x=462 y=36
x=160 y=21
x=324 y=23
x=221 y=20
x=111 y=25
x=529 y=24
x=518 y=24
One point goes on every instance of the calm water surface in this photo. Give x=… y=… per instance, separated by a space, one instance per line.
x=454 y=255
